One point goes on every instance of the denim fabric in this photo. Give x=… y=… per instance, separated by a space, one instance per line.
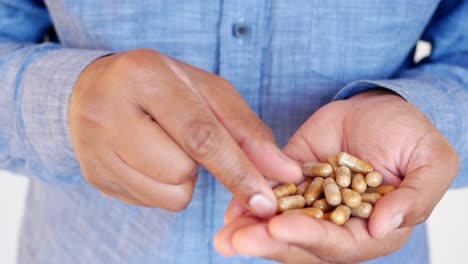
x=286 y=58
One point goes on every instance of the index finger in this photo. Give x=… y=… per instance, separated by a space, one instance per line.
x=186 y=117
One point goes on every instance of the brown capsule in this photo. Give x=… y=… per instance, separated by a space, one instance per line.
x=316 y=169
x=312 y=212
x=332 y=161
x=322 y=205
x=370 y=197
x=302 y=188
x=358 y=183
x=340 y=215
x=332 y=192
x=350 y=198
x=374 y=179
x=290 y=202
x=364 y=210
x=384 y=189
x=326 y=216
x=343 y=176
x=285 y=190
x=355 y=164
x=314 y=191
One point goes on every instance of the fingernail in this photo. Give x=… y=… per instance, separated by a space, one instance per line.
x=393 y=224
x=261 y=206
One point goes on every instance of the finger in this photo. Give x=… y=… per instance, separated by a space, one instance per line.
x=223 y=240
x=251 y=133
x=349 y=243
x=154 y=194
x=200 y=134
x=431 y=164
x=255 y=241
x=317 y=139
x=144 y=146
x=94 y=172
x=234 y=210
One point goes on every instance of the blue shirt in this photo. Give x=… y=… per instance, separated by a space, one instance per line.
x=286 y=58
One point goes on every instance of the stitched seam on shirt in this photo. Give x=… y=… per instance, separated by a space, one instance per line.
x=32 y=56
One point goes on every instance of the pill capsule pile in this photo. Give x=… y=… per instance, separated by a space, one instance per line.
x=343 y=187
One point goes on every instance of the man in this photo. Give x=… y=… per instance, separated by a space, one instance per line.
x=129 y=105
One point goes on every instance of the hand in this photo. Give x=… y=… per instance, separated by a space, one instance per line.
x=142 y=123
x=398 y=140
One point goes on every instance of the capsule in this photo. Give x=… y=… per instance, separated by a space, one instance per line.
x=340 y=215
x=332 y=192
x=312 y=212
x=302 y=188
x=358 y=183
x=350 y=198
x=364 y=210
x=332 y=161
x=316 y=169
x=374 y=179
x=370 y=197
x=314 y=191
x=285 y=190
x=326 y=216
x=290 y=202
x=323 y=205
x=343 y=176
x=355 y=164
x=384 y=189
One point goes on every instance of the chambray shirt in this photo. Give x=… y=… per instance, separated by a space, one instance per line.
x=286 y=58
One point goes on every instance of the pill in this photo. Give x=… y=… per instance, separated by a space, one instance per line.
x=358 y=183
x=332 y=192
x=332 y=161
x=384 y=189
x=340 y=215
x=364 y=210
x=314 y=191
x=302 y=188
x=374 y=179
x=355 y=164
x=316 y=169
x=323 y=205
x=285 y=190
x=370 y=197
x=350 y=198
x=290 y=202
x=343 y=176
x=326 y=216
x=312 y=212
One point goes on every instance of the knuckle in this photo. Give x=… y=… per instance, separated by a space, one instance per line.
x=135 y=59
x=202 y=138
x=94 y=181
x=238 y=181
x=183 y=172
x=183 y=200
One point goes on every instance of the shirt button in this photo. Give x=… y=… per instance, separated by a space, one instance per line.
x=240 y=30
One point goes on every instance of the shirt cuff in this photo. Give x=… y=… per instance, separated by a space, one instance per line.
x=46 y=90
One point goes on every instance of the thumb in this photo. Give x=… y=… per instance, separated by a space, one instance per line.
x=431 y=170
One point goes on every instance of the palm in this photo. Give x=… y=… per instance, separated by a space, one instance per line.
x=399 y=142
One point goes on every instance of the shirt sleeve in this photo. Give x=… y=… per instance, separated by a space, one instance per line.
x=438 y=85
x=36 y=82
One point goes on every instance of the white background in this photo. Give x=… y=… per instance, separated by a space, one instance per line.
x=448 y=228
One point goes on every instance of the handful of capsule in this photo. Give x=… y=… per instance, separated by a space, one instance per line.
x=345 y=186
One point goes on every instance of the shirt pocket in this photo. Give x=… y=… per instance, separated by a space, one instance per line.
x=367 y=39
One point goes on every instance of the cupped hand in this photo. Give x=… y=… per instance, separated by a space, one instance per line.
x=398 y=140
x=142 y=123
